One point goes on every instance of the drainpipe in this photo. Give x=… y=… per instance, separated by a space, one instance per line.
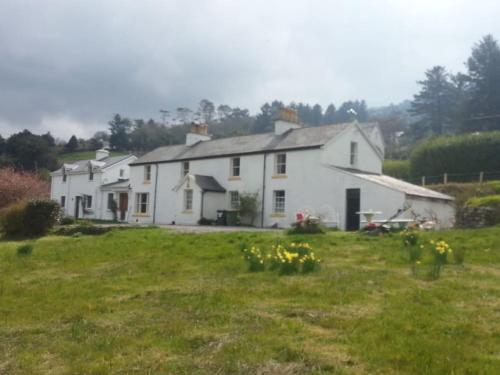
x=202 y=202
x=154 y=199
x=263 y=191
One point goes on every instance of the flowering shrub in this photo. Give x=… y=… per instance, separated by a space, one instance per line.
x=254 y=259
x=297 y=257
x=18 y=185
x=305 y=224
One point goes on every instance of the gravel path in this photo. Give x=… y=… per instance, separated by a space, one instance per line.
x=214 y=229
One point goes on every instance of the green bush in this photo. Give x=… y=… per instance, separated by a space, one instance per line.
x=67 y=220
x=40 y=216
x=12 y=219
x=470 y=153
x=80 y=229
x=397 y=168
x=492 y=201
x=24 y=250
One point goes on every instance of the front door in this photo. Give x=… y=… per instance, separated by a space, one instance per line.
x=352 y=208
x=123 y=205
x=78 y=202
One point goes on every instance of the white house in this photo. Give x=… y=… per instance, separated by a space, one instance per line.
x=86 y=188
x=332 y=171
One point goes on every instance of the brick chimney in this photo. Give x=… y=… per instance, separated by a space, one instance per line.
x=198 y=133
x=288 y=118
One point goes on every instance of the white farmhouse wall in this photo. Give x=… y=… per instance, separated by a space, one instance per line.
x=432 y=209
x=78 y=184
x=212 y=202
x=338 y=152
x=321 y=191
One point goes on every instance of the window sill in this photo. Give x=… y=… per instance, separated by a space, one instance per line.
x=140 y=215
x=187 y=212
x=278 y=214
x=147 y=182
x=234 y=178
x=278 y=176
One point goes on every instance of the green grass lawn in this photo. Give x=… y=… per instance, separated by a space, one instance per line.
x=151 y=301
x=84 y=155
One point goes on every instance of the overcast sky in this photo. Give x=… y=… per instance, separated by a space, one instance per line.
x=67 y=66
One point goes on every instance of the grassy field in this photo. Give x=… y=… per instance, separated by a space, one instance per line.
x=151 y=301
x=83 y=155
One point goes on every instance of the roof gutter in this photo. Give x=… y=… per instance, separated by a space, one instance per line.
x=289 y=149
x=154 y=199
x=263 y=191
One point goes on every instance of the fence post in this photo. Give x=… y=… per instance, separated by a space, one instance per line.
x=445 y=178
x=481 y=177
x=423 y=180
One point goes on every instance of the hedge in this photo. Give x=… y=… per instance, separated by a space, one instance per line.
x=397 y=168
x=31 y=218
x=470 y=153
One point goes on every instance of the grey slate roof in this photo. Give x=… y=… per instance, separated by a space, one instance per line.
x=208 y=183
x=121 y=183
x=309 y=137
x=82 y=165
x=403 y=186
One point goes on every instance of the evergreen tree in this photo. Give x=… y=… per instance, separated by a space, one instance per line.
x=2 y=145
x=434 y=105
x=72 y=144
x=329 y=116
x=264 y=122
x=119 y=129
x=316 y=115
x=30 y=151
x=484 y=79
x=51 y=142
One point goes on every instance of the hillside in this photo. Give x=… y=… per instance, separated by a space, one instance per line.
x=152 y=301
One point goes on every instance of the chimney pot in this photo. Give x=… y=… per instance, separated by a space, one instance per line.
x=287 y=119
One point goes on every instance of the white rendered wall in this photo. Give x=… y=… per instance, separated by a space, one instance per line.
x=79 y=184
x=338 y=152
x=444 y=211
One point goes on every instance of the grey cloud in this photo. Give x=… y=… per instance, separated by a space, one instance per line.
x=78 y=62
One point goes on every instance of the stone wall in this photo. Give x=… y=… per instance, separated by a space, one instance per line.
x=476 y=217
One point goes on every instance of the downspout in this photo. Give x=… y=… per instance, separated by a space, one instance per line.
x=154 y=199
x=263 y=191
x=202 y=202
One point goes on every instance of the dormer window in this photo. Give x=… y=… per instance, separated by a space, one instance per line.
x=354 y=153
x=184 y=168
x=235 y=167
x=280 y=164
x=147 y=173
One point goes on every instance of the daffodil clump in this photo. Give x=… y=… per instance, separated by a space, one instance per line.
x=295 y=258
x=410 y=237
x=440 y=251
x=254 y=258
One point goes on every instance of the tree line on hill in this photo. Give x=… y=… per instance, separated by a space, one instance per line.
x=140 y=135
